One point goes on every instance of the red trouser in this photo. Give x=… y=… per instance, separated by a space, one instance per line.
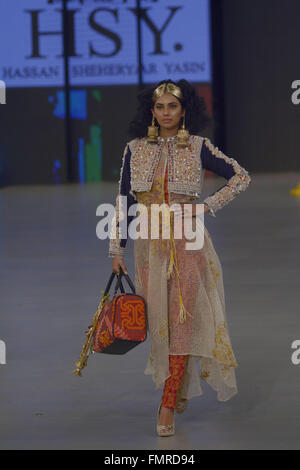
x=172 y=388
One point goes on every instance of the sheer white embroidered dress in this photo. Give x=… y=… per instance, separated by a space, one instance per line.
x=204 y=335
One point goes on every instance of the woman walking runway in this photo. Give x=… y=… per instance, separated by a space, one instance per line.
x=183 y=288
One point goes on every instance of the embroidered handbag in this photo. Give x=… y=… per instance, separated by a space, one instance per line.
x=122 y=323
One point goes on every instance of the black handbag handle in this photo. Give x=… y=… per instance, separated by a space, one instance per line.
x=129 y=281
x=119 y=282
x=118 y=285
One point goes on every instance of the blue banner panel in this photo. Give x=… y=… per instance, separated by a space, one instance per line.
x=103 y=42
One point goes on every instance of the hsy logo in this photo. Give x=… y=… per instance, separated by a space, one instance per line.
x=36 y=33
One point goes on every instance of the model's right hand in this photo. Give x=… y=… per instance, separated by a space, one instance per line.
x=117 y=262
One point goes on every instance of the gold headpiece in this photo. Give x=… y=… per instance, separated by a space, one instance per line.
x=167 y=88
x=183 y=134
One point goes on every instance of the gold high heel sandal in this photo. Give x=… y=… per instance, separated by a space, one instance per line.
x=164 y=430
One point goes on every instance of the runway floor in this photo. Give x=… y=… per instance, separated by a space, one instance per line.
x=53 y=268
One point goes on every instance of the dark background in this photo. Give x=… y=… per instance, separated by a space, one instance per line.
x=256 y=59
x=261 y=60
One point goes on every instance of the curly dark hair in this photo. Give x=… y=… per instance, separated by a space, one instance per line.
x=196 y=117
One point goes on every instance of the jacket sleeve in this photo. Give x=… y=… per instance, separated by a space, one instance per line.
x=117 y=244
x=238 y=178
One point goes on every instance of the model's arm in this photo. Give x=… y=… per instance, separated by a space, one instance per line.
x=238 y=178
x=117 y=245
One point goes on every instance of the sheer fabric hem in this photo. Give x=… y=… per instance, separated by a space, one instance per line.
x=224 y=385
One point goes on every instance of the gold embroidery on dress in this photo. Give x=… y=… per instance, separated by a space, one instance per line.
x=223 y=351
x=160 y=245
x=216 y=273
x=163 y=331
x=185 y=169
x=205 y=374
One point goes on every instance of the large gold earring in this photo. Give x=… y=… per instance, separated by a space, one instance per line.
x=152 y=132
x=183 y=135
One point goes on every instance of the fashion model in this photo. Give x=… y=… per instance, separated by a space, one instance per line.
x=183 y=288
